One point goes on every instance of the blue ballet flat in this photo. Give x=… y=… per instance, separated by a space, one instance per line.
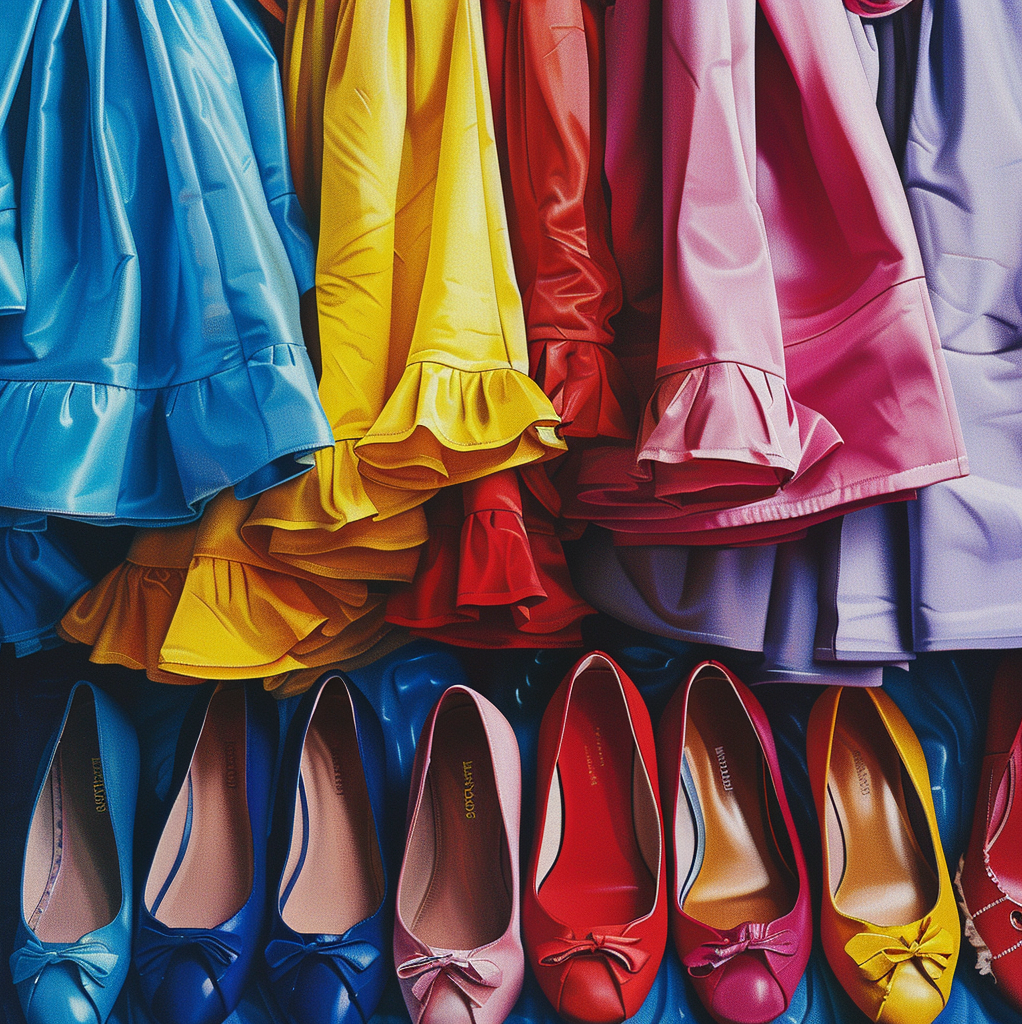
x=202 y=905
x=73 y=943
x=328 y=933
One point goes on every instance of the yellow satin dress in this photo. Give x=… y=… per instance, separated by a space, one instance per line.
x=421 y=340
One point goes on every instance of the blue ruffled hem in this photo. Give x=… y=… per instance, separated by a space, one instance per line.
x=40 y=578
x=154 y=457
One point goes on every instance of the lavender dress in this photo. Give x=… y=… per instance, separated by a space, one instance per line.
x=962 y=168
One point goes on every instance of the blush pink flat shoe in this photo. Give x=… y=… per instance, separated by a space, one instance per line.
x=457 y=947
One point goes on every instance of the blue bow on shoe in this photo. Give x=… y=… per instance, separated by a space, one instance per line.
x=92 y=957
x=348 y=957
x=155 y=944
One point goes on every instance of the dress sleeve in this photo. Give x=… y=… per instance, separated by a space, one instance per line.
x=571 y=288
x=721 y=425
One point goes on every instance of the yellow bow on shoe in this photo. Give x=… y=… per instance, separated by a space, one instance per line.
x=878 y=955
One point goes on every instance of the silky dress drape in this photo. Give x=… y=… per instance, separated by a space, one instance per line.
x=961 y=83
x=152 y=251
x=789 y=258
x=825 y=604
x=419 y=332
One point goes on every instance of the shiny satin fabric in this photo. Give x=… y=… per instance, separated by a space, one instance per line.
x=493 y=573
x=838 y=261
x=944 y=696
x=196 y=603
x=419 y=322
x=959 y=82
x=547 y=80
x=143 y=198
x=774 y=603
x=421 y=339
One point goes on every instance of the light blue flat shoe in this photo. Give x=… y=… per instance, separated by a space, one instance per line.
x=73 y=945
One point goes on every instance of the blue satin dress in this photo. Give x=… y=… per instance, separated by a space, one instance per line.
x=152 y=254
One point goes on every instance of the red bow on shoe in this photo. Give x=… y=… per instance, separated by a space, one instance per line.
x=619 y=950
x=711 y=955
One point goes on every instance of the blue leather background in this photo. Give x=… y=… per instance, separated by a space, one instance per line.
x=943 y=695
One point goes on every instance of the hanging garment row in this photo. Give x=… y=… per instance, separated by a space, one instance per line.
x=687 y=225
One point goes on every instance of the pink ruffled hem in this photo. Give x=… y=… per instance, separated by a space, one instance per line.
x=727 y=434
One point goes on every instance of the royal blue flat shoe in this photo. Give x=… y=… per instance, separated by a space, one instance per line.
x=202 y=906
x=73 y=943
x=328 y=935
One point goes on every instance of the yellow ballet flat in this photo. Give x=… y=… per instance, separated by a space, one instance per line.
x=888 y=921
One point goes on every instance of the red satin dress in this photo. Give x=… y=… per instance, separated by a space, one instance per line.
x=795 y=373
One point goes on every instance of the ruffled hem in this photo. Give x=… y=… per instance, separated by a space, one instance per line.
x=282 y=623
x=445 y=426
x=387 y=551
x=587 y=387
x=250 y=427
x=726 y=434
x=125 y=617
x=491 y=580
x=330 y=522
x=330 y=496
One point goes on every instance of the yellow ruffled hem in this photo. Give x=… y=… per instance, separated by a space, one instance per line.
x=330 y=522
x=330 y=496
x=236 y=620
x=443 y=425
x=126 y=615
x=361 y=551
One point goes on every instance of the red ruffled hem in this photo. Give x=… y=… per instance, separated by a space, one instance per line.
x=587 y=386
x=488 y=579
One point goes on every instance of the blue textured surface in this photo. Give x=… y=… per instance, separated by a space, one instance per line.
x=944 y=697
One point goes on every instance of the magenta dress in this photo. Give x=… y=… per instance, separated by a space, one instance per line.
x=796 y=373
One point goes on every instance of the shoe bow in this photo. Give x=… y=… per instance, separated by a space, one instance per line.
x=156 y=944
x=90 y=956
x=879 y=955
x=348 y=958
x=752 y=935
x=620 y=952
x=476 y=977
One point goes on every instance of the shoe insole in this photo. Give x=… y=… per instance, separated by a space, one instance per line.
x=878 y=871
x=742 y=876
x=201 y=874
x=457 y=892
x=600 y=875
x=334 y=869
x=72 y=874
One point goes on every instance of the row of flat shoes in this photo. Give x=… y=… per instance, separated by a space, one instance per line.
x=686 y=830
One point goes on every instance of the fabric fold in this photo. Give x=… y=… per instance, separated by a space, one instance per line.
x=443 y=425
x=239 y=615
x=547 y=84
x=158 y=349
x=587 y=386
x=725 y=434
x=492 y=575
x=126 y=615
